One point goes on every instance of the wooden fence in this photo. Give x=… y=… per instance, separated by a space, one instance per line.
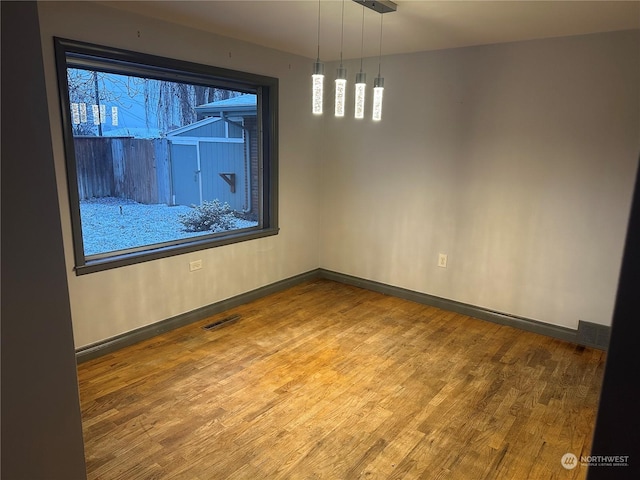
x=123 y=167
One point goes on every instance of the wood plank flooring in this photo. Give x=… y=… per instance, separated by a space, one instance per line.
x=328 y=381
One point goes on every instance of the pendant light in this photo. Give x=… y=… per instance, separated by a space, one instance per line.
x=381 y=7
x=317 y=79
x=378 y=85
x=361 y=80
x=341 y=77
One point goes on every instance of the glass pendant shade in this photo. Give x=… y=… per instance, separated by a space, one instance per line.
x=378 y=91
x=317 y=87
x=341 y=91
x=361 y=85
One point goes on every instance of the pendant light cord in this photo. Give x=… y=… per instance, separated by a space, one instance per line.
x=342 y=34
x=318 y=30
x=362 y=43
x=380 y=53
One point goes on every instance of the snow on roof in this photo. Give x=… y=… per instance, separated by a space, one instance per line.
x=242 y=103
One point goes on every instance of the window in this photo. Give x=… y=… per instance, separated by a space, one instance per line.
x=163 y=156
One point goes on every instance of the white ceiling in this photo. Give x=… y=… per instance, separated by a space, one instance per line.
x=292 y=26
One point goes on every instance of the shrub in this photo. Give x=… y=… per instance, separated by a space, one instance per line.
x=211 y=215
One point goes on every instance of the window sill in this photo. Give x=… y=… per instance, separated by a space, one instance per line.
x=92 y=266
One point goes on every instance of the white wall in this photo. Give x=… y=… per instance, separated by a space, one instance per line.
x=109 y=303
x=517 y=160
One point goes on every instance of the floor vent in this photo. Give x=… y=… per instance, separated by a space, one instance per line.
x=593 y=334
x=220 y=323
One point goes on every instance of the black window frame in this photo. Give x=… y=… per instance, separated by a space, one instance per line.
x=87 y=55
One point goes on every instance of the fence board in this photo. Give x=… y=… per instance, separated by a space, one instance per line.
x=132 y=168
x=94 y=167
x=118 y=158
x=163 y=170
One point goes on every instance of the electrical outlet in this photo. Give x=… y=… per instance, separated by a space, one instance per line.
x=442 y=260
x=195 y=265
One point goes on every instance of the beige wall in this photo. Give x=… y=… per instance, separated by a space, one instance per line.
x=109 y=303
x=516 y=160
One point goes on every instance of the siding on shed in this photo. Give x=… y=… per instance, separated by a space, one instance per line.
x=209 y=127
x=217 y=158
x=184 y=168
x=210 y=155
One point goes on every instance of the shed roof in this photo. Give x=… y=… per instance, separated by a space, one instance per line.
x=243 y=105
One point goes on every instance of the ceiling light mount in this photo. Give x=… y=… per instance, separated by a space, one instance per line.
x=380 y=6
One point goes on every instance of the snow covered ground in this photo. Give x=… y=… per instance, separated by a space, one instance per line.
x=110 y=224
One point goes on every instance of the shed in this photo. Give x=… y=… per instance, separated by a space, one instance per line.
x=213 y=158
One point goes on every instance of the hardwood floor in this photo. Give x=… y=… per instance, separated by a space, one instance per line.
x=331 y=381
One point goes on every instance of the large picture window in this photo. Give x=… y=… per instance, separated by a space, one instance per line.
x=164 y=156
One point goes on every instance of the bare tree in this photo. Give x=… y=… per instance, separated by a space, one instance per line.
x=166 y=105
